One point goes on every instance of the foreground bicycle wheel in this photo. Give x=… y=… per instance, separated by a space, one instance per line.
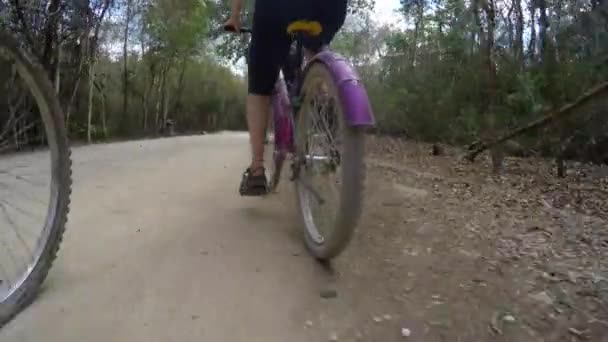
x=331 y=171
x=35 y=177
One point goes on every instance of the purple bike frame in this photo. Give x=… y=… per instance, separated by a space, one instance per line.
x=352 y=94
x=281 y=119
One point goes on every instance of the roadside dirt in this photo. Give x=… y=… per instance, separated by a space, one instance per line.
x=448 y=252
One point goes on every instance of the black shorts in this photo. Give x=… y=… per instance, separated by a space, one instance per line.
x=270 y=42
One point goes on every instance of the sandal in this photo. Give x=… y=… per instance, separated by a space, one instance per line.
x=253 y=185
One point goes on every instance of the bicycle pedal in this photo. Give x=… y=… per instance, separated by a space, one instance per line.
x=254 y=193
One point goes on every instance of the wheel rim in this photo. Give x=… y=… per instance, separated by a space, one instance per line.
x=28 y=178
x=318 y=156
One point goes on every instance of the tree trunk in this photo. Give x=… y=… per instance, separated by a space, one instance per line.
x=544 y=27
x=180 y=86
x=18 y=10
x=83 y=57
x=497 y=153
x=50 y=36
x=159 y=99
x=104 y=11
x=165 y=107
x=510 y=26
x=532 y=42
x=58 y=69
x=91 y=89
x=490 y=89
x=519 y=33
x=146 y=101
x=104 y=125
x=550 y=89
x=125 y=75
x=164 y=100
x=419 y=27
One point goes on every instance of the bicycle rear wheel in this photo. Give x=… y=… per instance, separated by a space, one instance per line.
x=35 y=177
x=329 y=159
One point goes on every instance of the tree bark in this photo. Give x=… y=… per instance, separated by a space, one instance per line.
x=72 y=100
x=532 y=42
x=58 y=69
x=544 y=28
x=125 y=75
x=180 y=85
x=146 y=100
x=485 y=15
x=519 y=34
x=419 y=27
x=24 y=27
x=50 y=36
x=104 y=125
x=91 y=90
x=159 y=99
x=497 y=154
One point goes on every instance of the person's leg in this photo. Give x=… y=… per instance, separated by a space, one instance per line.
x=258 y=112
x=267 y=52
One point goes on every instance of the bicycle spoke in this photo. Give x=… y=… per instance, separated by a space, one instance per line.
x=21 y=210
x=22 y=131
x=23 y=195
x=12 y=224
x=9 y=252
x=3 y=172
x=5 y=278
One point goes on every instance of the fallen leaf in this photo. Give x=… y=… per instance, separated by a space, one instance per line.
x=542 y=297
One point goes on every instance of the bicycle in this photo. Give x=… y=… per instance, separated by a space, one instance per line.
x=25 y=86
x=295 y=107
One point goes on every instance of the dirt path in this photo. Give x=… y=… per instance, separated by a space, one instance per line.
x=161 y=248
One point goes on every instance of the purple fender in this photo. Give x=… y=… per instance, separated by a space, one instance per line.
x=355 y=103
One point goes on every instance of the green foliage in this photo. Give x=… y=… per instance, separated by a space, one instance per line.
x=172 y=73
x=430 y=79
x=434 y=79
x=211 y=98
x=176 y=27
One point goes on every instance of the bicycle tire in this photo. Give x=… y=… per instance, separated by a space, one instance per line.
x=352 y=175
x=61 y=178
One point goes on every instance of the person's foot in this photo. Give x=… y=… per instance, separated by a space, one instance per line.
x=254 y=182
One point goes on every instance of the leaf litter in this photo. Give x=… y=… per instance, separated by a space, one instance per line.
x=519 y=256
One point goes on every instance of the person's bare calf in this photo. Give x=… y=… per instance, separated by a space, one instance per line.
x=258 y=112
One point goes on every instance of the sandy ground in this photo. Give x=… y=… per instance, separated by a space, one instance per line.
x=160 y=247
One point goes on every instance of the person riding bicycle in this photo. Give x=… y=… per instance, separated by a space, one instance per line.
x=268 y=52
